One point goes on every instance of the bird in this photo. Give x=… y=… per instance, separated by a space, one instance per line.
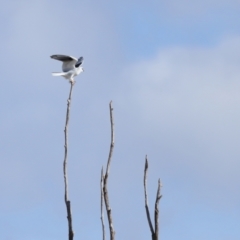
x=71 y=66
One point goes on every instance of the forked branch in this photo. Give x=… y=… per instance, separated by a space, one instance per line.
x=105 y=178
x=155 y=230
x=67 y=201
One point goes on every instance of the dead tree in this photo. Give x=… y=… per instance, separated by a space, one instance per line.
x=154 y=230
x=105 y=199
x=104 y=182
x=67 y=201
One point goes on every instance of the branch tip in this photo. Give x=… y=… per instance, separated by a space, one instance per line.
x=146 y=163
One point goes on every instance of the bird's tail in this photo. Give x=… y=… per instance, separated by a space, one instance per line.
x=58 y=74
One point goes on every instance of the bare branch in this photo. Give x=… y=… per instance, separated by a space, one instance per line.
x=155 y=233
x=146 y=198
x=105 y=190
x=156 y=215
x=102 y=215
x=112 y=140
x=67 y=202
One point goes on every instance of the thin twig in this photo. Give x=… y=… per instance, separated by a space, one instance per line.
x=102 y=215
x=105 y=190
x=67 y=202
x=146 y=198
x=156 y=215
x=112 y=140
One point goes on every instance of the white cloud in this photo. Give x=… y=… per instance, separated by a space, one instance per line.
x=188 y=102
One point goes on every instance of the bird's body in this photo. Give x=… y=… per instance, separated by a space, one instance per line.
x=71 y=66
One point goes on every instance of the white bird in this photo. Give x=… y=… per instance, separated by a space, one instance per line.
x=71 y=66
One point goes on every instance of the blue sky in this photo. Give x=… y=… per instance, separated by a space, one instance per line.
x=171 y=69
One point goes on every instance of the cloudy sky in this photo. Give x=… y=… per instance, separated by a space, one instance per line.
x=171 y=69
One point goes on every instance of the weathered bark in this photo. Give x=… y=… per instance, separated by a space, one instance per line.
x=105 y=178
x=67 y=201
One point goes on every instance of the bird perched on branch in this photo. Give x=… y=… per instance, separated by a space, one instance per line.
x=71 y=66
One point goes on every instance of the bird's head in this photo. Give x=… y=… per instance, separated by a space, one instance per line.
x=79 y=62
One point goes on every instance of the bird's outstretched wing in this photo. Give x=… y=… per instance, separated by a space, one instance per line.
x=79 y=62
x=63 y=58
x=68 y=61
